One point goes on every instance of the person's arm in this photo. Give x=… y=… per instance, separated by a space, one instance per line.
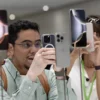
x=72 y=60
x=97 y=63
x=74 y=55
x=25 y=92
x=98 y=82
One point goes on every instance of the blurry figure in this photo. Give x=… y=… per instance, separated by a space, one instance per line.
x=3 y=35
x=90 y=63
x=3 y=31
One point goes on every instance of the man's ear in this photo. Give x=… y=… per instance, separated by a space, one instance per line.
x=10 y=51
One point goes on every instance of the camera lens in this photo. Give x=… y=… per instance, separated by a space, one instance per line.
x=58 y=35
x=58 y=40
x=47 y=39
x=62 y=38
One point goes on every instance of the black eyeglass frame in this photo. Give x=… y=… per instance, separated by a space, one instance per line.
x=29 y=45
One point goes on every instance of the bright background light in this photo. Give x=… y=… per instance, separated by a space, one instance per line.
x=12 y=17
x=45 y=8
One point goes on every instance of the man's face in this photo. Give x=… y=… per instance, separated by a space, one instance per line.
x=25 y=48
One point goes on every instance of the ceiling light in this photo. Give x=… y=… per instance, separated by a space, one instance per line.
x=45 y=8
x=12 y=17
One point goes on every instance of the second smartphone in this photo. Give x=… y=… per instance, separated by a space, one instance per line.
x=62 y=46
x=78 y=28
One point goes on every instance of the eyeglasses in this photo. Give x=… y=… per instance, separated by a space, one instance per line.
x=28 y=45
x=91 y=19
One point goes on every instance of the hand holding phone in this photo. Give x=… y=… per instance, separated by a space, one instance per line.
x=61 y=45
x=48 y=41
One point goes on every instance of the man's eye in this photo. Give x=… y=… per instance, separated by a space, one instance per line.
x=38 y=44
x=27 y=45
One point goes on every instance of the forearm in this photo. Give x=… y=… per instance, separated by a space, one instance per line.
x=98 y=82
x=72 y=60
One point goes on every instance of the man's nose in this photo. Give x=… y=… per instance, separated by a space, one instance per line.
x=34 y=48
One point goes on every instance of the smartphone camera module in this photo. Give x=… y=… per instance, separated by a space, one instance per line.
x=47 y=39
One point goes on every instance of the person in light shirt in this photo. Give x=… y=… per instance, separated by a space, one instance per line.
x=90 y=64
x=26 y=61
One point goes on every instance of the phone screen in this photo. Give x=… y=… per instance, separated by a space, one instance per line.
x=78 y=27
x=3 y=34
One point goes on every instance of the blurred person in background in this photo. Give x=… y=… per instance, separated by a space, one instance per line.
x=3 y=35
x=90 y=63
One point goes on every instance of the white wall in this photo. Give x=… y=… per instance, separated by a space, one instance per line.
x=58 y=20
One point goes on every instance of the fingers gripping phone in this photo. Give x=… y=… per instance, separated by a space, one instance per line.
x=48 y=41
x=78 y=28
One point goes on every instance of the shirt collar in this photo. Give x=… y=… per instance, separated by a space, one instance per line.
x=11 y=68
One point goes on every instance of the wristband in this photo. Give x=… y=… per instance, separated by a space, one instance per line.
x=60 y=73
x=97 y=67
x=62 y=78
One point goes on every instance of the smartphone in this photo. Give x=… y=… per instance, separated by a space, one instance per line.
x=62 y=46
x=90 y=38
x=78 y=28
x=3 y=34
x=48 y=41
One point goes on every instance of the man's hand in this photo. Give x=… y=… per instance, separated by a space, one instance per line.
x=97 y=48
x=42 y=58
x=75 y=54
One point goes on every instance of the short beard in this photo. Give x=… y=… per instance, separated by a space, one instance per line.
x=26 y=67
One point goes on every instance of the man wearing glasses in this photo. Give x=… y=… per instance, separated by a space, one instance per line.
x=27 y=60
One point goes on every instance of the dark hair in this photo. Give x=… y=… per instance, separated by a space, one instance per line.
x=95 y=19
x=18 y=26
